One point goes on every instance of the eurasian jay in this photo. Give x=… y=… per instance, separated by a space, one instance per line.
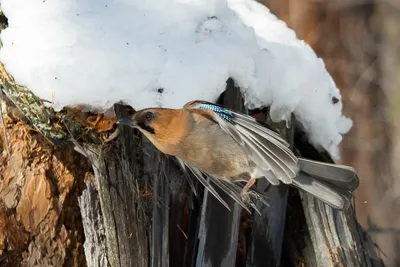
x=228 y=147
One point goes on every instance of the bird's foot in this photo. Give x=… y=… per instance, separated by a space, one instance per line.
x=248 y=197
x=257 y=197
x=245 y=196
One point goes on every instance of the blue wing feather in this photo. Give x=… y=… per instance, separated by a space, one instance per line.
x=225 y=114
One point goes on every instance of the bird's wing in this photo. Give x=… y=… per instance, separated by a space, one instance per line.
x=232 y=190
x=263 y=146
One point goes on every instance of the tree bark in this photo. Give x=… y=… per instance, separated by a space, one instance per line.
x=95 y=244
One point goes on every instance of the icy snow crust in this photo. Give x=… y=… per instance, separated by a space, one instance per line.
x=98 y=52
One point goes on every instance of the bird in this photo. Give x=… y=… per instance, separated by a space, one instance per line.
x=228 y=147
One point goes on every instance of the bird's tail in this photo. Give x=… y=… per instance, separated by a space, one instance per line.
x=331 y=183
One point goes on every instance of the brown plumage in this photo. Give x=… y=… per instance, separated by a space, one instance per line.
x=228 y=146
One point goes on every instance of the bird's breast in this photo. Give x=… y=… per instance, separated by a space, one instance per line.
x=208 y=148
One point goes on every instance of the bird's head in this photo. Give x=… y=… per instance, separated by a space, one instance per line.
x=162 y=126
x=148 y=120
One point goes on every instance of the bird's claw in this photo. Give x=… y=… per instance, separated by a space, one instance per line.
x=245 y=197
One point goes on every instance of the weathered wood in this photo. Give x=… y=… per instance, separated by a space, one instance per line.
x=170 y=194
x=123 y=205
x=194 y=218
x=130 y=174
x=265 y=246
x=184 y=214
x=172 y=212
x=337 y=238
x=219 y=227
x=95 y=243
x=159 y=243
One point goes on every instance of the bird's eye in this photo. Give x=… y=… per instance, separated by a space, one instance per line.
x=148 y=116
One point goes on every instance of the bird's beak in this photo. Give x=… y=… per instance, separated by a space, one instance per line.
x=127 y=121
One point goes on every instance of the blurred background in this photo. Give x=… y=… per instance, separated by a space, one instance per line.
x=359 y=41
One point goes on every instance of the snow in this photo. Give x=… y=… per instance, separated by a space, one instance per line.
x=99 y=52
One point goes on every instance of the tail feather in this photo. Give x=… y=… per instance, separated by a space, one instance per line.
x=332 y=184
x=332 y=196
x=338 y=175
